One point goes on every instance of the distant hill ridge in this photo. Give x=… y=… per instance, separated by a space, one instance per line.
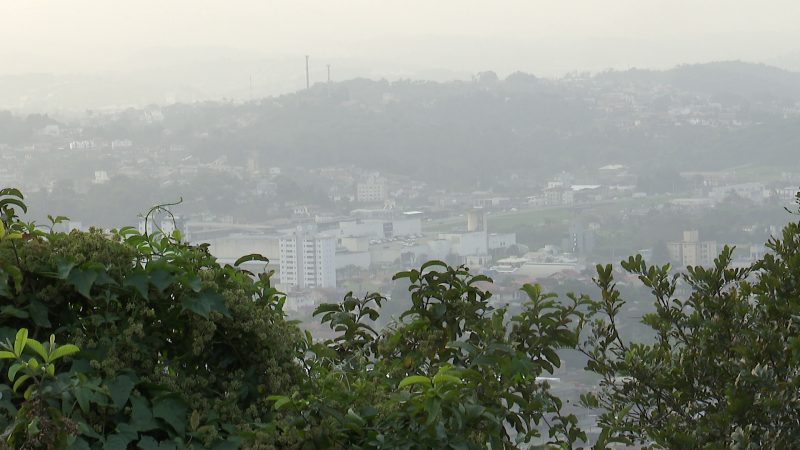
x=694 y=117
x=207 y=81
x=748 y=80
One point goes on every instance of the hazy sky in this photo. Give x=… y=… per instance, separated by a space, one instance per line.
x=461 y=35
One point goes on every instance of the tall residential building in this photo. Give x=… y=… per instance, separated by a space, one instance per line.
x=372 y=190
x=476 y=220
x=691 y=251
x=580 y=241
x=308 y=260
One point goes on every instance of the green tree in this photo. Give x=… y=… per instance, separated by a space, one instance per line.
x=454 y=371
x=723 y=368
x=174 y=348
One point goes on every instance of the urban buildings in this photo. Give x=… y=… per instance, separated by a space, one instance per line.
x=372 y=190
x=691 y=251
x=307 y=260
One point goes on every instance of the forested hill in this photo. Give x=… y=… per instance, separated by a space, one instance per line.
x=726 y=81
x=691 y=117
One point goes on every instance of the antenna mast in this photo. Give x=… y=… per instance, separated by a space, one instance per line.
x=308 y=84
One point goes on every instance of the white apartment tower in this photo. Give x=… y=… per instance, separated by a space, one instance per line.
x=372 y=190
x=308 y=261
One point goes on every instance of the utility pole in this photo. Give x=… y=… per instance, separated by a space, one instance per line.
x=308 y=83
x=329 y=73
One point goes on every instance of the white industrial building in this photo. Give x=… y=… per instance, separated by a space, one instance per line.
x=381 y=229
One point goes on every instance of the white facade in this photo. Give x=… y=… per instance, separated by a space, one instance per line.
x=121 y=143
x=501 y=240
x=755 y=192
x=372 y=190
x=467 y=244
x=362 y=260
x=308 y=261
x=101 y=177
x=381 y=229
x=692 y=251
x=407 y=227
x=368 y=228
x=81 y=145
x=236 y=245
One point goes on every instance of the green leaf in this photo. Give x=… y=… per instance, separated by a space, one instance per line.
x=147 y=443
x=12 y=311
x=37 y=347
x=414 y=379
x=4 y=291
x=82 y=279
x=13 y=201
x=173 y=410
x=79 y=444
x=64 y=350
x=7 y=355
x=433 y=263
x=194 y=420
x=141 y=415
x=138 y=281
x=39 y=314
x=161 y=279
x=20 y=340
x=29 y=392
x=441 y=378
x=11 y=192
x=117 y=442
x=280 y=401
x=12 y=371
x=204 y=303
x=551 y=356
x=251 y=257
x=19 y=382
x=120 y=389
x=63 y=269
x=232 y=443
x=82 y=395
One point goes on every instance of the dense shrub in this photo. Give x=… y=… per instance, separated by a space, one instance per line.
x=174 y=346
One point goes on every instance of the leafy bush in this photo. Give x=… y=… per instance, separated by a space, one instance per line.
x=174 y=347
x=454 y=372
x=723 y=369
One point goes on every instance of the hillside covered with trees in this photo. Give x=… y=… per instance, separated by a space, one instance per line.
x=693 y=117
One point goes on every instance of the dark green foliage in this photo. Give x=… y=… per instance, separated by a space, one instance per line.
x=455 y=371
x=724 y=369
x=174 y=347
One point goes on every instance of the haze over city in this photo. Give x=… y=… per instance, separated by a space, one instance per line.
x=156 y=46
x=399 y=224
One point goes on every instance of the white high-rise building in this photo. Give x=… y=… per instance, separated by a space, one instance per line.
x=372 y=190
x=308 y=260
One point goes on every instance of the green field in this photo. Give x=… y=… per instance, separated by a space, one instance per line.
x=542 y=215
